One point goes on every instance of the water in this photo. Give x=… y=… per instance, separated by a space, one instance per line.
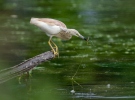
x=106 y=65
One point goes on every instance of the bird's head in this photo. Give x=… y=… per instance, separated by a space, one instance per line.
x=76 y=33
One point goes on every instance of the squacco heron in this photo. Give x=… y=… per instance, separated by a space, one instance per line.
x=56 y=28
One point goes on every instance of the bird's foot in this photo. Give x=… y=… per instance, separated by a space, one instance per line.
x=56 y=53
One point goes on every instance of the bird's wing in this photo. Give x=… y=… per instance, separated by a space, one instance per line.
x=52 y=22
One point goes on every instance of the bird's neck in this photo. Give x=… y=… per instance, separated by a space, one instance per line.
x=69 y=31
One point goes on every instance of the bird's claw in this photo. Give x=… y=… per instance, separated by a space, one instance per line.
x=56 y=54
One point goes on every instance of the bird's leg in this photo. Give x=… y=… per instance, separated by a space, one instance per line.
x=55 y=48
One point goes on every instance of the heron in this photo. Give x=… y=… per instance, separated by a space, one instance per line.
x=53 y=27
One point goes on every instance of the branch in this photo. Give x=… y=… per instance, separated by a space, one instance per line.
x=26 y=66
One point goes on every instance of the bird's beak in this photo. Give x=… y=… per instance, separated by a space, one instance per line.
x=82 y=37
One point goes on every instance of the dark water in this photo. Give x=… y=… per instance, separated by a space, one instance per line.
x=105 y=66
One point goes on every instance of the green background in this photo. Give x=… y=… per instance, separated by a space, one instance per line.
x=106 y=65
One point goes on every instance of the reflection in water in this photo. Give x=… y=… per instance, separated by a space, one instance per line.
x=98 y=92
x=107 y=69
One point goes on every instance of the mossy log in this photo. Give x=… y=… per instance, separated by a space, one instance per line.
x=26 y=66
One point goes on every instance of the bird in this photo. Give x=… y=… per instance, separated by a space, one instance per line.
x=53 y=27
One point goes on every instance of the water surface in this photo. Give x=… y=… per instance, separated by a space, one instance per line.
x=106 y=65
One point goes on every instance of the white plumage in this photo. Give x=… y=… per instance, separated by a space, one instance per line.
x=55 y=28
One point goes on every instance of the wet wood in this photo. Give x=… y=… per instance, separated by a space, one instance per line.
x=26 y=66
